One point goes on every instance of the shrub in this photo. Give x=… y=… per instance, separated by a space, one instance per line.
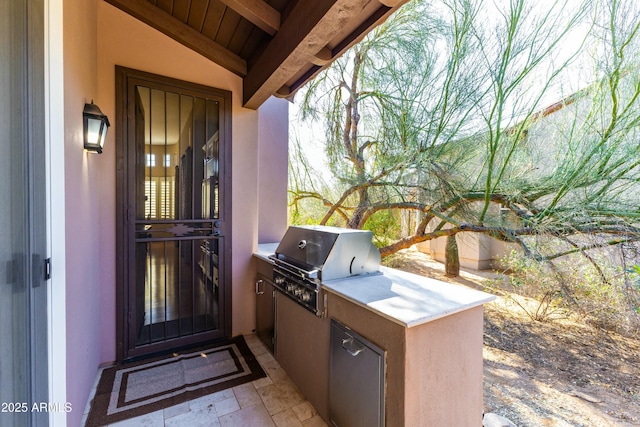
x=600 y=295
x=385 y=228
x=530 y=285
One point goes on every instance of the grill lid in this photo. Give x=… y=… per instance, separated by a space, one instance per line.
x=334 y=252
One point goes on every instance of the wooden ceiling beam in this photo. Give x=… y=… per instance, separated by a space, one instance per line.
x=377 y=18
x=182 y=33
x=283 y=92
x=322 y=57
x=258 y=12
x=392 y=3
x=308 y=28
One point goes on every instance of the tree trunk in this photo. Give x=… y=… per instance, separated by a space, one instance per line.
x=451 y=259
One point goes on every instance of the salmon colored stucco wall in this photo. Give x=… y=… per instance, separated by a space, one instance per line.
x=97 y=37
x=84 y=188
x=273 y=159
x=443 y=371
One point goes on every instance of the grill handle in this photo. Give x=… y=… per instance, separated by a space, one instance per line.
x=351 y=346
x=258 y=291
x=313 y=274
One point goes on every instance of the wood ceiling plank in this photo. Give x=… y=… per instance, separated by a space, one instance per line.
x=256 y=38
x=212 y=20
x=177 y=30
x=181 y=10
x=279 y=5
x=227 y=27
x=258 y=12
x=308 y=28
x=166 y=5
x=240 y=35
x=197 y=14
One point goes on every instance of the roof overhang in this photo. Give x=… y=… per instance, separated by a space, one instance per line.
x=276 y=46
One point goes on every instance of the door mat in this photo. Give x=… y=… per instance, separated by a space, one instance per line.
x=133 y=389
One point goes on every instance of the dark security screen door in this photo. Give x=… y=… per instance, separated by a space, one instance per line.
x=174 y=204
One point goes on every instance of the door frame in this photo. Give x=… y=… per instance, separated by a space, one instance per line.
x=55 y=161
x=125 y=213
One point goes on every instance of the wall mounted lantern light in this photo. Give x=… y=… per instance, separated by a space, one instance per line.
x=95 y=126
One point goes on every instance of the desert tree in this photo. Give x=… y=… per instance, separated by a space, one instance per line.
x=451 y=110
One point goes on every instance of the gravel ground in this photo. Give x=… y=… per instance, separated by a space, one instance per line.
x=552 y=373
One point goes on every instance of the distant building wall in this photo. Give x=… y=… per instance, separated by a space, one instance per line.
x=476 y=251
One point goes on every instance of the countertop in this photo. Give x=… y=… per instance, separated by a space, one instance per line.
x=265 y=250
x=404 y=298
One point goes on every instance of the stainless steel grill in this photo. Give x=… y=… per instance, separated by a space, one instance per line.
x=307 y=256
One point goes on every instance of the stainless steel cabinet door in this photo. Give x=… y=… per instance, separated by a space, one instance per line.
x=356 y=384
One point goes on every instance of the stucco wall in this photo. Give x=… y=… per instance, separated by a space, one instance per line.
x=92 y=26
x=443 y=371
x=84 y=267
x=273 y=140
x=476 y=251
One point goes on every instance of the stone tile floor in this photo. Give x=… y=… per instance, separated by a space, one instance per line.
x=270 y=401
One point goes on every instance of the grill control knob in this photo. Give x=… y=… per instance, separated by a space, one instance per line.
x=279 y=280
x=290 y=287
x=305 y=296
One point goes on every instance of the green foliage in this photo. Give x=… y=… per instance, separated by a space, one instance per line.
x=385 y=227
x=442 y=110
x=571 y=286
x=307 y=211
x=504 y=118
x=634 y=287
x=533 y=281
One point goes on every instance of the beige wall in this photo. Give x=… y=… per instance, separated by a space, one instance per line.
x=476 y=251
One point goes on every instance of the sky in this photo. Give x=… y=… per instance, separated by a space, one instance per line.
x=579 y=75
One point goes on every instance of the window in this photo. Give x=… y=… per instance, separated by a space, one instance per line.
x=150 y=199
x=167 y=199
x=160 y=198
x=151 y=160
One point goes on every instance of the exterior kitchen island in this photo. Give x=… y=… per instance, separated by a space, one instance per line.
x=430 y=332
